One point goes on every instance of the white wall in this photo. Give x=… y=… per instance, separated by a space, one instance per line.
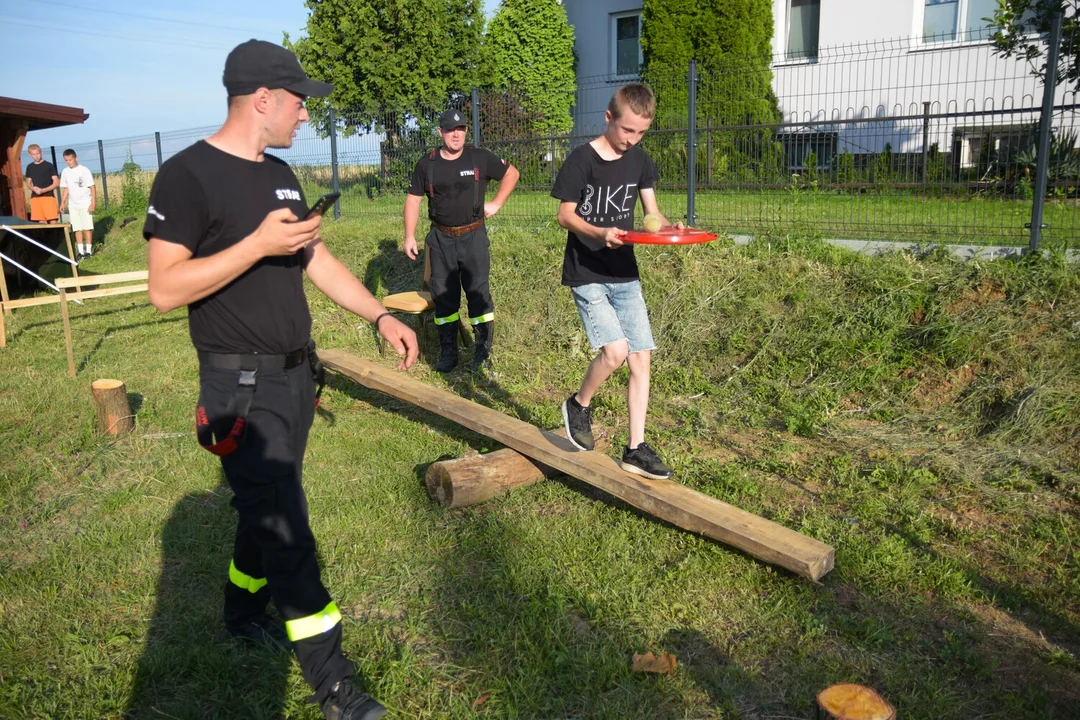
x=591 y=20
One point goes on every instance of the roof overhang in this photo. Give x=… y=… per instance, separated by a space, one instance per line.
x=39 y=115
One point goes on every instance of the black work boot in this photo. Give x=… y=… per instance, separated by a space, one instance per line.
x=346 y=702
x=447 y=347
x=484 y=333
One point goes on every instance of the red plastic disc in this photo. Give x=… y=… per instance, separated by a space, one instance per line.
x=669 y=236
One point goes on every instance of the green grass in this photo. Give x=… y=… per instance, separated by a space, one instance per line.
x=920 y=415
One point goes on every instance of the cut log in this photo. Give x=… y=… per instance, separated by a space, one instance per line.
x=664 y=499
x=476 y=478
x=113 y=411
x=847 y=701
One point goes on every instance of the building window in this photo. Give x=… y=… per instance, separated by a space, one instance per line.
x=804 y=19
x=957 y=20
x=626 y=56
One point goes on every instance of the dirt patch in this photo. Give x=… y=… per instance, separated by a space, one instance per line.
x=936 y=389
x=973 y=298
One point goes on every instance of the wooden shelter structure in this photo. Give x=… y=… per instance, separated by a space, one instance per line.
x=18 y=117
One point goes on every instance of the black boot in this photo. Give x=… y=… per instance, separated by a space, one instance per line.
x=484 y=334
x=447 y=347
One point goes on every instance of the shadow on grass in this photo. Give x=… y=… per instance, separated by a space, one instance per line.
x=85 y=361
x=189 y=667
x=533 y=647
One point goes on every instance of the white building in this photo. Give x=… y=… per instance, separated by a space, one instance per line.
x=850 y=75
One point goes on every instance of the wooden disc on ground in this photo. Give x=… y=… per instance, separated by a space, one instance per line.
x=847 y=701
x=113 y=411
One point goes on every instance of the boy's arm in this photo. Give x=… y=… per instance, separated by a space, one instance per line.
x=63 y=198
x=595 y=238
x=648 y=201
x=93 y=196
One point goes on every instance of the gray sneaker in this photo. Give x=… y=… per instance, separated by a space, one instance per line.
x=643 y=460
x=578 y=423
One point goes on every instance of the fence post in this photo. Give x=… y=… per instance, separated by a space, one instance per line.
x=104 y=181
x=332 y=117
x=157 y=144
x=476 y=117
x=52 y=149
x=1042 y=166
x=708 y=152
x=925 y=138
x=691 y=144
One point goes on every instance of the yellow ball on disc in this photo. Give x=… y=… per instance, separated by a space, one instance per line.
x=653 y=222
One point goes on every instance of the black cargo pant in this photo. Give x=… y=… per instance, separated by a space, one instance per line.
x=274 y=552
x=460 y=263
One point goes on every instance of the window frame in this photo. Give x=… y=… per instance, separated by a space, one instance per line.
x=613 y=41
x=788 y=58
x=961 y=39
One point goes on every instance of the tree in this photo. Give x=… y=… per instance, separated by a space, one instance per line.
x=732 y=42
x=1015 y=21
x=401 y=57
x=530 y=47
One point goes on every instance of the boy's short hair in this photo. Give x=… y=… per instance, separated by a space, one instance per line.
x=636 y=97
x=32 y=146
x=70 y=153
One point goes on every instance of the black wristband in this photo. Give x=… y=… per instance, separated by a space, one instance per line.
x=375 y=322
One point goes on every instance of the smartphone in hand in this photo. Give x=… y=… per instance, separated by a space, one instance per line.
x=322 y=205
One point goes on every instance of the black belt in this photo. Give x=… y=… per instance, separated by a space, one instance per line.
x=252 y=361
x=249 y=365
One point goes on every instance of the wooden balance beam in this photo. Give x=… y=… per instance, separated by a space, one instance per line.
x=664 y=499
x=66 y=283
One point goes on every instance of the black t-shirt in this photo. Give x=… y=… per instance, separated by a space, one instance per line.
x=208 y=200
x=606 y=192
x=41 y=175
x=454 y=181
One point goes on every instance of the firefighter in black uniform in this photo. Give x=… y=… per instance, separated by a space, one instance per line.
x=225 y=240
x=454 y=178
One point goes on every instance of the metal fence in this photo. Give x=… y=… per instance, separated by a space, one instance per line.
x=891 y=140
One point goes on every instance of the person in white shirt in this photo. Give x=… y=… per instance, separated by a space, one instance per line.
x=77 y=185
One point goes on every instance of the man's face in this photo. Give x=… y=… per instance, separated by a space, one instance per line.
x=71 y=160
x=35 y=154
x=285 y=118
x=454 y=139
x=625 y=131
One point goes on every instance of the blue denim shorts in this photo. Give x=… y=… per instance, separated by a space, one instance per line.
x=613 y=312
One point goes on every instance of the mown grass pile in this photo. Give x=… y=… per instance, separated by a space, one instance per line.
x=919 y=414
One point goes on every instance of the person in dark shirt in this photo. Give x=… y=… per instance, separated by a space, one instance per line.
x=598 y=187
x=42 y=180
x=454 y=177
x=226 y=240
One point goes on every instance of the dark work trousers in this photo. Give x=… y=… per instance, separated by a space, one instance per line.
x=274 y=552
x=458 y=263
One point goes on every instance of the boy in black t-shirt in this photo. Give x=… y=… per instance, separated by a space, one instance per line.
x=41 y=178
x=599 y=185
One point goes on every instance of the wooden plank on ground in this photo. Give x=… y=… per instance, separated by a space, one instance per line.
x=665 y=499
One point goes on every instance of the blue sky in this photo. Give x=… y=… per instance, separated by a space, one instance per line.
x=136 y=67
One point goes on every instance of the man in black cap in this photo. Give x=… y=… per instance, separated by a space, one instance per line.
x=225 y=240
x=454 y=178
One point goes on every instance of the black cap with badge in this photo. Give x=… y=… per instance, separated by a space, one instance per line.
x=452 y=119
x=259 y=64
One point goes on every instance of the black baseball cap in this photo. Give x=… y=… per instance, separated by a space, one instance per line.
x=452 y=119
x=257 y=63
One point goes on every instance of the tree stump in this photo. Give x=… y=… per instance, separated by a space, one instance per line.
x=113 y=411
x=475 y=478
x=847 y=701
